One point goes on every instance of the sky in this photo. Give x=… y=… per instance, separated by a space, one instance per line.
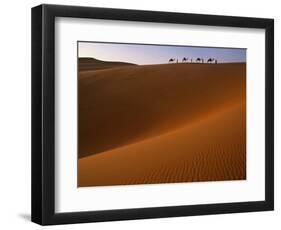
x=143 y=54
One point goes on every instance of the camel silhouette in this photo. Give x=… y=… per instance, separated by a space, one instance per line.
x=210 y=60
x=172 y=60
x=184 y=59
x=200 y=60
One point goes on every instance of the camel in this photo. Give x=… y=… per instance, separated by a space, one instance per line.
x=172 y=60
x=184 y=59
x=210 y=60
x=200 y=60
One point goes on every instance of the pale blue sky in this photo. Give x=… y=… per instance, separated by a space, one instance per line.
x=156 y=54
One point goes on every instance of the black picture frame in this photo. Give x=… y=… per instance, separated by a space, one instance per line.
x=43 y=114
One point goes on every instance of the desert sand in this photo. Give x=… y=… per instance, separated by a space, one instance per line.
x=162 y=124
x=86 y=64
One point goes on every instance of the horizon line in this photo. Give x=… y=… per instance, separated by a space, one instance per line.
x=161 y=63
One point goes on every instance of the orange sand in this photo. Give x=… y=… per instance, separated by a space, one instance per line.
x=162 y=124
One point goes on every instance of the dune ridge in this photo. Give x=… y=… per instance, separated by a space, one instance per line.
x=88 y=64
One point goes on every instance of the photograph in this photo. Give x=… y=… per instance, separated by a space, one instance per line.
x=141 y=114
x=155 y=113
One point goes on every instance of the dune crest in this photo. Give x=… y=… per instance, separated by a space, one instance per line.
x=90 y=64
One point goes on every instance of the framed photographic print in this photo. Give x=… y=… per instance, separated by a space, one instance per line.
x=142 y=114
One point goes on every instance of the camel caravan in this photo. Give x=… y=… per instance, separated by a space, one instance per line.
x=197 y=60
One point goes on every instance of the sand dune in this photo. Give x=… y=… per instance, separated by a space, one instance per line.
x=210 y=149
x=162 y=124
x=129 y=104
x=88 y=64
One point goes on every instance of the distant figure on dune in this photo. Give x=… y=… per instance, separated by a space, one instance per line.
x=210 y=60
x=171 y=60
x=197 y=60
